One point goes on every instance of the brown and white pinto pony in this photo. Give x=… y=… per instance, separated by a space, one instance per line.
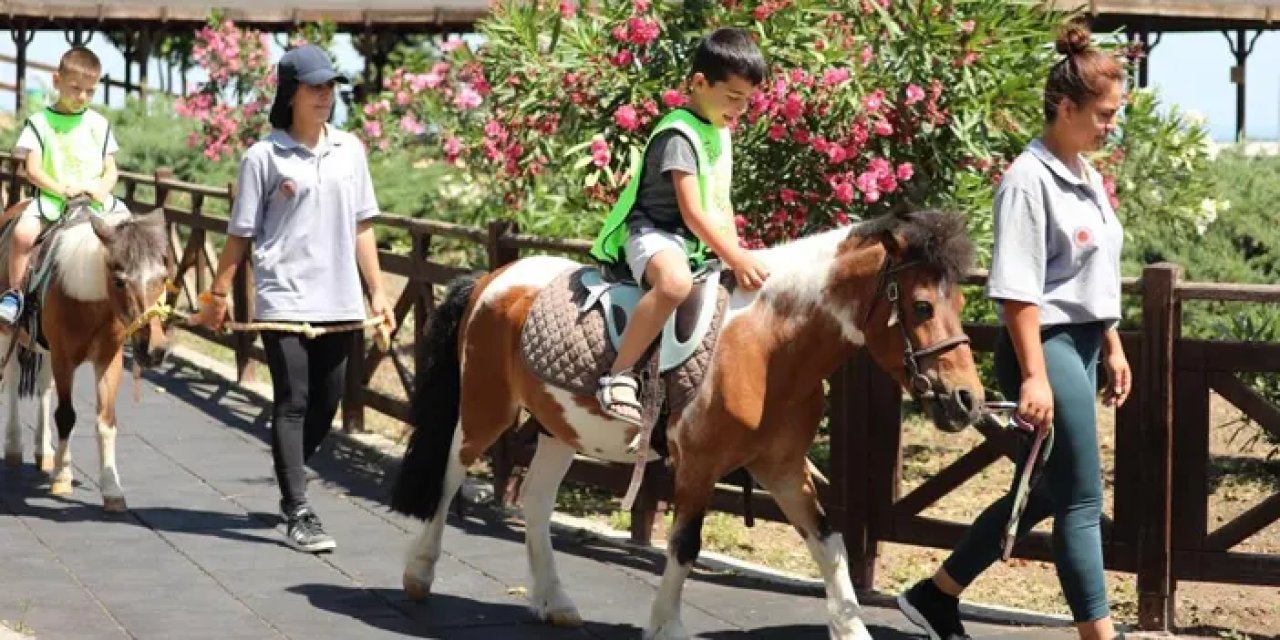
x=107 y=271
x=888 y=285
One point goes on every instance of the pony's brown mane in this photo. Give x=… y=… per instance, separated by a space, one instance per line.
x=938 y=239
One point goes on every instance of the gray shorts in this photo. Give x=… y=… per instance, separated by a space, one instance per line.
x=647 y=243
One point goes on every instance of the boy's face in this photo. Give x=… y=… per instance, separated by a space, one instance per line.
x=721 y=102
x=75 y=88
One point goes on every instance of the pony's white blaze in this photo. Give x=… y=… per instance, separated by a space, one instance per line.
x=599 y=436
x=82 y=259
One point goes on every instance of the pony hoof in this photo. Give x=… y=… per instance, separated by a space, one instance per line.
x=45 y=463
x=13 y=460
x=563 y=618
x=61 y=488
x=114 y=505
x=415 y=589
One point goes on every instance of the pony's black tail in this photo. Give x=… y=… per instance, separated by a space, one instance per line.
x=29 y=363
x=436 y=399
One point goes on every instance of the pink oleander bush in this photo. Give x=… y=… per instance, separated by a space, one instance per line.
x=232 y=105
x=870 y=105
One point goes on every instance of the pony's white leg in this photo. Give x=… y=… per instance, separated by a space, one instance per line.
x=796 y=495
x=44 y=428
x=547 y=599
x=424 y=550
x=13 y=428
x=112 y=492
x=109 y=482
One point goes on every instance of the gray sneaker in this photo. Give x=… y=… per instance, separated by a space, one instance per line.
x=10 y=306
x=305 y=533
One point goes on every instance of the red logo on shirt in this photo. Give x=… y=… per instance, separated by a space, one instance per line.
x=1083 y=236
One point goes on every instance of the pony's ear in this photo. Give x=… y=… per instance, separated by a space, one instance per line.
x=102 y=228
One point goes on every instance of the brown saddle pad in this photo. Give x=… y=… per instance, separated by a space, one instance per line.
x=568 y=347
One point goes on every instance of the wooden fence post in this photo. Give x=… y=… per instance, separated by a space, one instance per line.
x=1160 y=326
x=502 y=452
x=162 y=175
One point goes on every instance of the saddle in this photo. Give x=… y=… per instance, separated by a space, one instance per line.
x=571 y=335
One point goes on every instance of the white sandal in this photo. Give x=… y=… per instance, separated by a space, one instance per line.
x=608 y=400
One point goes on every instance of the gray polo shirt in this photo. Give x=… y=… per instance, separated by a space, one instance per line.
x=301 y=209
x=1057 y=241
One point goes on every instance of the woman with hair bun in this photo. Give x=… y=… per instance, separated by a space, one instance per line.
x=1055 y=274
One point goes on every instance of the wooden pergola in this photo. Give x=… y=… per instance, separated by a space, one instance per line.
x=1146 y=20
x=144 y=22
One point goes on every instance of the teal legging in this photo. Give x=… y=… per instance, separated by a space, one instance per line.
x=1070 y=489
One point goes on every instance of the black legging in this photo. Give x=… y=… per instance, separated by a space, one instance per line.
x=307 y=377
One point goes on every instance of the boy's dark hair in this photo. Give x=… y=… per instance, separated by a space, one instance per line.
x=729 y=52
x=80 y=60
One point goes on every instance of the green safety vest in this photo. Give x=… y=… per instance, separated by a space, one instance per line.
x=72 y=150
x=713 y=148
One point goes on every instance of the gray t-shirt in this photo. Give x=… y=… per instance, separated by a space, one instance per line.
x=304 y=243
x=1057 y=241
x=656 y=205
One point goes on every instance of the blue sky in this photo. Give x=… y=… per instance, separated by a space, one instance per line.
x=1190 y=70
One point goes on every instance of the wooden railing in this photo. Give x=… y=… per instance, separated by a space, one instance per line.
x=1161 y=433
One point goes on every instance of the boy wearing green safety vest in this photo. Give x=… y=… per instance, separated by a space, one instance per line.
x=70 y=152
x=676 y=208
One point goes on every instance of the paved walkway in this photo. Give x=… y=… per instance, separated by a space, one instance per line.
x=199 y=554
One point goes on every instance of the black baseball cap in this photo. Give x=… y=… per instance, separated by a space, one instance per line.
x=308 y=64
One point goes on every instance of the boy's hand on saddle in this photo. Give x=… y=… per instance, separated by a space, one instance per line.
x=750 y=271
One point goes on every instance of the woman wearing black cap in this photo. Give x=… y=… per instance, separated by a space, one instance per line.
x=305 y=203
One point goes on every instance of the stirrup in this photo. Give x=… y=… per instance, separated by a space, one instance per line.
x=18 y=300
x=607 y=400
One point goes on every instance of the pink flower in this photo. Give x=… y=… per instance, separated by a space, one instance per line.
x=567 y=9
x=627 y=118
x=914 y=94
x=777 y=133
x=411 y=125
x=373 y=129
x=883 y=128
x=873 y=102
x=801 y=136
x=672 y=99
x=599 y=151
x=642 y=31
x=467 y=98
x=867 y=55
x=788 y=196
x=967 y=26
x=622 y=58
x=833 y=77
x=905 y=171
x=494 y=129
x=452 y=148
x=837 y=154
x=843 y=192
x=642 y=6
x=792 y=107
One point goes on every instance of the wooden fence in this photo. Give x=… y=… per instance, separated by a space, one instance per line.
x=1159 y=539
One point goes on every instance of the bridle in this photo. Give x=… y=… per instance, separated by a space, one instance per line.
x=921 y=387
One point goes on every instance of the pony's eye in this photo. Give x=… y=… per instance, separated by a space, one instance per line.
x=119 y=281
x=923 y=310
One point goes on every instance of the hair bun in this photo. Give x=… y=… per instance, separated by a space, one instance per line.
x=1074 y=38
